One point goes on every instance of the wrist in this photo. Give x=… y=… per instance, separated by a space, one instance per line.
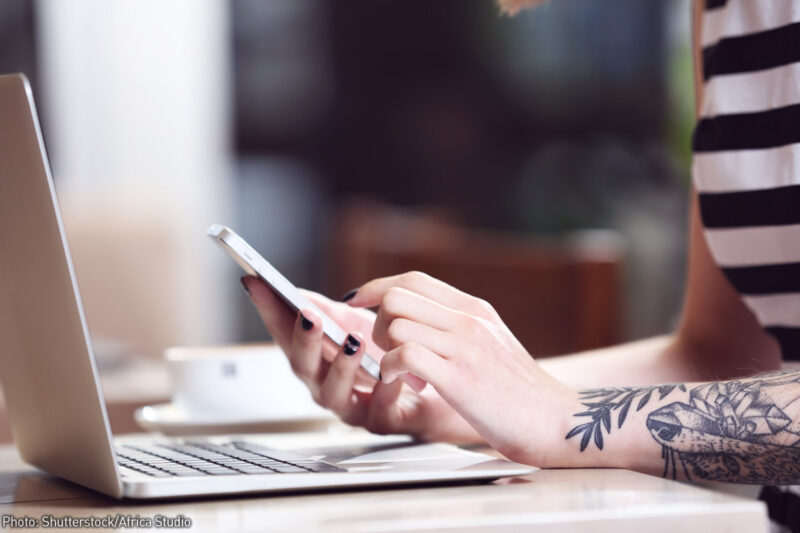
x=555 y=403
x=559 y=452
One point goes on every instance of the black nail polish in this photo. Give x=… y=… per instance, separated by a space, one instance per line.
x=349 y=295
x=351 y=345
x=245 y=286
x=305 y=323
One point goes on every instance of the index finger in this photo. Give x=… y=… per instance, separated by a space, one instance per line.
x=338 y=311
x=371 y=293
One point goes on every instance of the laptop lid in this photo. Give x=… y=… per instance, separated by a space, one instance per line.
x=47 y=369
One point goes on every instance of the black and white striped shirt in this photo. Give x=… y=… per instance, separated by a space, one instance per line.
x=747 y=156
x=747 y=170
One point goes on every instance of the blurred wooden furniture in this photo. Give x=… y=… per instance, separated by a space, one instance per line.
x=557 y=296
x=602 y=500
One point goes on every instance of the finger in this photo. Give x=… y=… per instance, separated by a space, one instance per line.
x=336 y=392
x=338 y=311
x=401 y=303
x=383 y=415
x=402 y=330
x=346 y=317
x=371 y=293
x=417 y=360
x=276 y=315
x=305 y=354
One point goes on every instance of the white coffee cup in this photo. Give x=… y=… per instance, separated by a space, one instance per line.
x=238 y=382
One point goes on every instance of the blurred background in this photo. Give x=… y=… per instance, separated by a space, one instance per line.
x=540 y=162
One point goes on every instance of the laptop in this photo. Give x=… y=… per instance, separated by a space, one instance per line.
x=54 y=400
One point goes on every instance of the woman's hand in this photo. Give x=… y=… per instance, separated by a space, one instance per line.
x=331 y=373
x=458 y=344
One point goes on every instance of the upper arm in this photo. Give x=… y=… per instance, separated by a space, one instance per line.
x=718 y=331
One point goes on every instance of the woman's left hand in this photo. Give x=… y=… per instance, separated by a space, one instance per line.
x=459 y=345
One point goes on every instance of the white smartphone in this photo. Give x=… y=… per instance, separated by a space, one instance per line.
x=255 y=265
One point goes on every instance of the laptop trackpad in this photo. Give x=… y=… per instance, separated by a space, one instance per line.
x=411 y=457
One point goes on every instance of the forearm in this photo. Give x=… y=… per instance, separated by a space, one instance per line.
x=645 y=362
x=673 y=358
x=743 y=431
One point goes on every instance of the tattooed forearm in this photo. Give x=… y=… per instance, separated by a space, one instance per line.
x=601 y=403
x=745 y=431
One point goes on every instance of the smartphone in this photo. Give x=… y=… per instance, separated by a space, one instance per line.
x=251 y=262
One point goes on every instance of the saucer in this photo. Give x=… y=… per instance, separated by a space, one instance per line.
x=170 y=420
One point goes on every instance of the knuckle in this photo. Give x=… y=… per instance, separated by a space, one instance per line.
x=387 y=363
x=407 y=352
x=392 y=297
x=414 y=277
x=397 y=329
x=482 y=306
x=472 y=325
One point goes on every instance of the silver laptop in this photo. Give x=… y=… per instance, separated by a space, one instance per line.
x=54 y=401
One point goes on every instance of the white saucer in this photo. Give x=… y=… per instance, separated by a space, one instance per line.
x=170 y=420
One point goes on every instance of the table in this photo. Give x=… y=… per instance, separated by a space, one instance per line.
x=594 y=500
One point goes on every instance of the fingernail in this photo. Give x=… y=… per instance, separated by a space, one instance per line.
x=349 y=295
x=351 y=345
x=305 y=323
x=245 y=285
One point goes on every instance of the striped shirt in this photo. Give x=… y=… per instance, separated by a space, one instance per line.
x=746 y=147
x=747 y=170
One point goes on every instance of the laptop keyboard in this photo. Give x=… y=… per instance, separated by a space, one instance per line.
x=207 y=459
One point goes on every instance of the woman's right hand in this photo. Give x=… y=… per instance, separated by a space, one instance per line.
x=332 y=373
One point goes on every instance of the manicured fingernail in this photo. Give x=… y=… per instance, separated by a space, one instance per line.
x=245 y=285
x=305 y=323
x=349 y=295
x=351 y=345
